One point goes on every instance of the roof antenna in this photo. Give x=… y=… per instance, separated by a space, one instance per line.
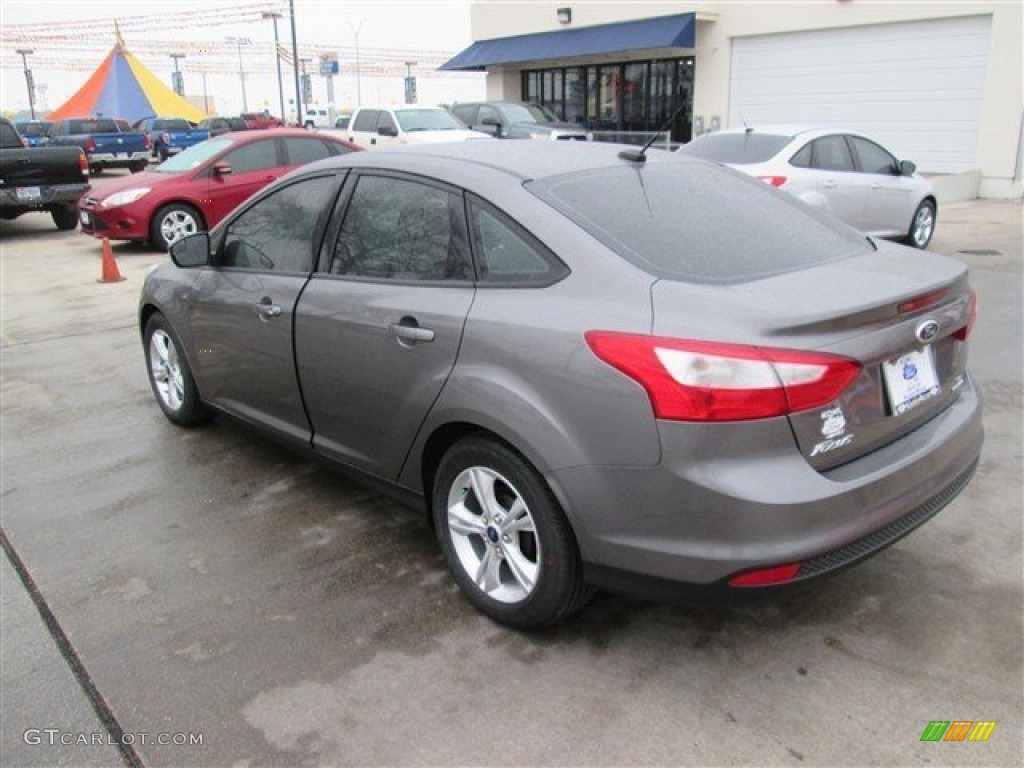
x=639 y=157
x=746 y=128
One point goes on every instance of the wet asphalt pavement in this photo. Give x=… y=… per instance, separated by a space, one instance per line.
x=211 y=583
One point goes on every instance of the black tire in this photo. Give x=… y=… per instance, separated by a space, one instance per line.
x=309 y=125
x=137 y=166
x=548 y=544
x=163 y=154
x=922 y=225
x=65 y=218
x=174 y=221
x=170 y=376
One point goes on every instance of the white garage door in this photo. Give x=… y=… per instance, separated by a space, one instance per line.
x=916 y=86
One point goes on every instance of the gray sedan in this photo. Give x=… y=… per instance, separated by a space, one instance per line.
x=589 y=367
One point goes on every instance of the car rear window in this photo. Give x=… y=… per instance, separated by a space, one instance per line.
x=171 y=125
x=736 y=148
x=92 y=126
x=698 y=222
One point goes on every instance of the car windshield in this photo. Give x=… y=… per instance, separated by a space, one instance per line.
x=698 y=222
x=528 y=113
x=736 y=148
x=194 y=156
x=427 y=120
x=32 y=129
x=171 y=125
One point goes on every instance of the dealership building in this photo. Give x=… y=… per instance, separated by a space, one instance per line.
x=938 y=82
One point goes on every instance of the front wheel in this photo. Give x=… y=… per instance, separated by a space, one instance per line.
x=507 y=542
x=922 y=226
x=173 y=222
x=170 y=376
x=137 y=166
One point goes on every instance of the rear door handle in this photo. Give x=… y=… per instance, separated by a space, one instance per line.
x=268 y=309
x=406 y=332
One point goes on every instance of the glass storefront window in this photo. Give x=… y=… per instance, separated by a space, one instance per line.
x=575 y=95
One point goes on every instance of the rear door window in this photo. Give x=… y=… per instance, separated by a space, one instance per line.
x=302 y=151
x=831 y=153
x=366 y=120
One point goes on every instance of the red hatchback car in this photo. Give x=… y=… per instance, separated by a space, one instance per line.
x=195 y=189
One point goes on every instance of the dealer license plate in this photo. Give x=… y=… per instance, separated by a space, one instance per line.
x=910 y=379
x=84 y=216
x=28 y=193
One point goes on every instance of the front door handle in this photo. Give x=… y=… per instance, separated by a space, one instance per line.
x=408 y=332
x=268 y=309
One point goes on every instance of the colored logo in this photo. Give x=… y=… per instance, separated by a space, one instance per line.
x=958 y=730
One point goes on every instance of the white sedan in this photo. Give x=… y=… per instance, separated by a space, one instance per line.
x=844 y=173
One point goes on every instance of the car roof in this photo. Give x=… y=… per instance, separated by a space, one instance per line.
x=785 y=129
x=461 y=162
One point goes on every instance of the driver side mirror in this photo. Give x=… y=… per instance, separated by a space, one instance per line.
x=491 y=125
x=221 y=169
x=907 y=168
x=191 y=251
x=387 y=130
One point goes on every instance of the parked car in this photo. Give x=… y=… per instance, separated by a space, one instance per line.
x=33 y=131
x=263 y=119
x=49 y=179
x=517 y=120
x=592 y=371
x=104 y=143
x=373 y=127
x=170 y=135
x=314 y=117
x=215 y=126
x=195 y=189
x=342 y=122
x=845 y=173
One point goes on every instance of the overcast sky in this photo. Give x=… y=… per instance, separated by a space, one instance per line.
x=435 y=25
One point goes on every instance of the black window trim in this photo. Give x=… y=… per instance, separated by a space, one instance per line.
x=858 y=163
x=340 y=210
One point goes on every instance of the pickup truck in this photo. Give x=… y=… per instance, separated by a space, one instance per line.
x=40 y=179
x=170 y=135
x=261 y=120
x=104 y=143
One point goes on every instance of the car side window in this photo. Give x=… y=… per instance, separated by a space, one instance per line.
x=802 y=159
x=488 y=111
x=396 y=229
x=386 y=121
x=466 y=114
x=872 y=158
x=277 y=233
x=302 y=151
x=831 y=153
x=254 y=156
x=505 y=253
x=366 y=120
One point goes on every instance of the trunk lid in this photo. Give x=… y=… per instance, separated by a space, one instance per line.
x=897 y=311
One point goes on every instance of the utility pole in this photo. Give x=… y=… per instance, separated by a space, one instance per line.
x=179 y=82
x=240 y=41
x=277 y=60
x=295 y=64
x=24 y=52
x=359 y=81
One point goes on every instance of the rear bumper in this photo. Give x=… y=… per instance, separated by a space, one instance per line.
x=719 y=505
x=40 y=198
x=118 y=159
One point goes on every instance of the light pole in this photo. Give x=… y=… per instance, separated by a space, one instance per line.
x=240 y=41
x=410 y=83
x=277 y=60
x=359 y=83
x=23 y=52
x=295 y=64
x=179 y=84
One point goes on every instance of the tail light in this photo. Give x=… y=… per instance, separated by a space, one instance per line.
x=775 y=181
x=708 y=381
x=90 y=144
x=83 y=163
x=921 y=302
x=972 y=316
x=147 y=142
x=165 y=137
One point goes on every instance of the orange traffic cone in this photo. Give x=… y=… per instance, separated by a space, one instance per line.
x=111 y=274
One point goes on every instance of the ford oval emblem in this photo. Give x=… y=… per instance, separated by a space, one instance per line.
x=927 y=331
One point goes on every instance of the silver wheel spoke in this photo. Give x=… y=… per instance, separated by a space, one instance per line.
x=487 y=577
x=483 y=488
x=462 y=521
x=518 y=519
x=522 y=569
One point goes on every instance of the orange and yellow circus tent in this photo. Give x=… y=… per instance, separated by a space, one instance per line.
x=122 y=87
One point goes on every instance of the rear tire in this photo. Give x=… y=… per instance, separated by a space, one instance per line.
x=65 y=218
x=139 y=165
x=507 y=542
x=922 y=225
x=170 y=376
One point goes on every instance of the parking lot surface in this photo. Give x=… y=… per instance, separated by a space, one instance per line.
x=212 y=583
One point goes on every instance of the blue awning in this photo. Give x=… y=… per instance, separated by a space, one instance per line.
x=660 y=32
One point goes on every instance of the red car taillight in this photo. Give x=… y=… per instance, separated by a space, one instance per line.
x=83 y=163
x=147 y=142
x=709 y=381
x=972 y=316
x=775 y=181
x=90 y=144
